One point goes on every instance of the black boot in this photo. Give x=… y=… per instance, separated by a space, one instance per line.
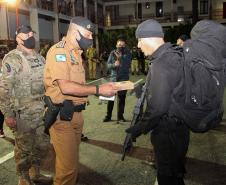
x=121 y=118
x=107 y=119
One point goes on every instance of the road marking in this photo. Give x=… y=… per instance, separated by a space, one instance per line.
x=95 y=81
x=6 y=157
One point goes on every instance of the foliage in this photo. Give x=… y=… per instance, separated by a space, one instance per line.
x=171 y=34
x=107 y=40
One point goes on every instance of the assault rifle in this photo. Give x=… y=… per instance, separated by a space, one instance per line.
x=137 y=113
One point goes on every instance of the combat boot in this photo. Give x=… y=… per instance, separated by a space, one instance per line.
x=24 y=179
x=37 y=177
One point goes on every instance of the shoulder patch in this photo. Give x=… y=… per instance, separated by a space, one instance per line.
x=61 y=44
x=8 y=68
x=61 y=58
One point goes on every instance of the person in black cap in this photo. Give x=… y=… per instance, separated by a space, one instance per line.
x=181 y=39
x=169 y=136
x=21 y=92
x=64 y=79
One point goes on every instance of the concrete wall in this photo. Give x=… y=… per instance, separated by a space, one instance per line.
x=186 y=4
x=125 y=10
x=3 y=27
x=166 y=6
x=218 y=4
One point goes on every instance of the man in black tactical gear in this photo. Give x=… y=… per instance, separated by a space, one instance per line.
x=170 y=136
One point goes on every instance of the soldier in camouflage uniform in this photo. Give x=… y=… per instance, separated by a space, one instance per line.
x=21 y=92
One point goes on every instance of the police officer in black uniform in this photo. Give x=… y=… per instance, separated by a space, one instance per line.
x=170 y=136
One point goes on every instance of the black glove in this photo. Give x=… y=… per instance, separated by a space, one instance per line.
x=135 y=131
x=142 y=128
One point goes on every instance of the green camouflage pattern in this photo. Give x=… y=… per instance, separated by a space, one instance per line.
x=21 y=92
x=30 y=148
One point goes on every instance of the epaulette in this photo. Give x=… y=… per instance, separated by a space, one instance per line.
x=61 y=44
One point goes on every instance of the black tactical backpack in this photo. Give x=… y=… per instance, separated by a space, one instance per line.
x=199 y=97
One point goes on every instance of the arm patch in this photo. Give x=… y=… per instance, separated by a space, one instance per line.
x=8 y=68
x=61 y=58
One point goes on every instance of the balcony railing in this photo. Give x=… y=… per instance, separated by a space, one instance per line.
x=129 y=20
x=62 y=6
x=217 y=14
x=45 y=4
x=65 y=8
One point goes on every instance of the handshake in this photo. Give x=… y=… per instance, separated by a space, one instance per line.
x=109 y=89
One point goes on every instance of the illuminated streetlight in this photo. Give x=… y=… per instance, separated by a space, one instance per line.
x=14 y=3
x=11 y=2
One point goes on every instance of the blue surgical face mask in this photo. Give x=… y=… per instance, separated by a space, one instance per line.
x=84 y=43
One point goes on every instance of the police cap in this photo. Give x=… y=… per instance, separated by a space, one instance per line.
x=83 y=22
x=24 y=29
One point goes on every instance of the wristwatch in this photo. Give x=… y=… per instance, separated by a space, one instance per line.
x=97 y=90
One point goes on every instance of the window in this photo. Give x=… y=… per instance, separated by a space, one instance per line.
x=159 y=9
x=204 y=7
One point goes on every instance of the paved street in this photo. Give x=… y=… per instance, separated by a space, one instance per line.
x=100 y=162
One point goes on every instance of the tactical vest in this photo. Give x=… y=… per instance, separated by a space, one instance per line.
x=28 y=84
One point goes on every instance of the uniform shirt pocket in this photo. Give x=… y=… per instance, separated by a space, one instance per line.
x=77 y=73
x=37 y=87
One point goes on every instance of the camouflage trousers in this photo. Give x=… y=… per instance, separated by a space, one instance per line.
x=31 y=144
x=92 y=69
x=134 y=66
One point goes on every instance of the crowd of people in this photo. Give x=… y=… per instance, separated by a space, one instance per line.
x=58 y=75
x=98 y=64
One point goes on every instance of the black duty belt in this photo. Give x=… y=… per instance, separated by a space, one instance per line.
x=79 y=108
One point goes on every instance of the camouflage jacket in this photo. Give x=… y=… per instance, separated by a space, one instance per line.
x=21 y=80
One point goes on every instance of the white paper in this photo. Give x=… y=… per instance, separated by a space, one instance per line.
x=112 y=98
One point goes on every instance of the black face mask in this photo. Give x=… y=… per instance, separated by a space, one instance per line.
x=29 y=43
x=121 y=49
x=84 y=43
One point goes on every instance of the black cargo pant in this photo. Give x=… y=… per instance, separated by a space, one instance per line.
x=170 y=140
x=121 y=105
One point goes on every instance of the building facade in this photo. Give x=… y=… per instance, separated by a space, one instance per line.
x=50 y=18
